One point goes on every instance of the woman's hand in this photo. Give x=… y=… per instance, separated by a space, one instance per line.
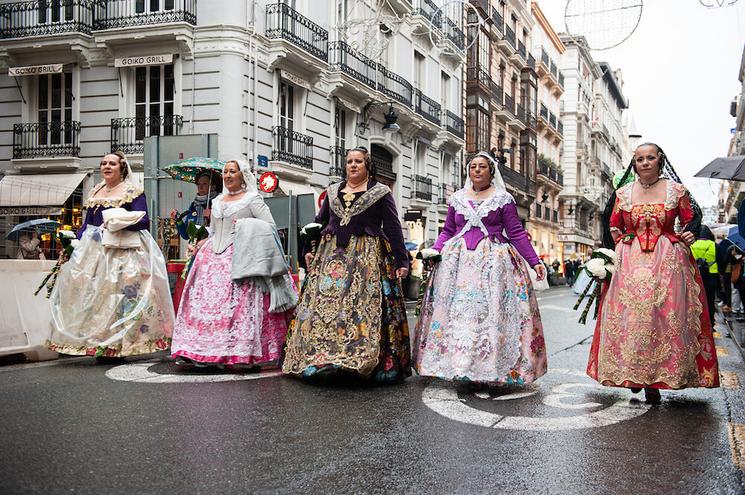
x=308 y=259
x=688 y=238
x=540 y=271
x=402 y=272
x=192 y=249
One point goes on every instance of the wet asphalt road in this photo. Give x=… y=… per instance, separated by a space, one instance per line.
x=67 y=427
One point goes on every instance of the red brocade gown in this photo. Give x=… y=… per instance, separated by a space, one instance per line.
x=653 y=329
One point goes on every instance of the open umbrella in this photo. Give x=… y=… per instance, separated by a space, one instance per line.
x=735 y=237
x=410 y=246
x=41 y=225
x=726 y=167
x=188 y=169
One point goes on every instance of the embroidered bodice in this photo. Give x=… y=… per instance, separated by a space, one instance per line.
x=373 y=213
x=647 y=222
x=495 y=218
x=132 y=199
x=226 y=213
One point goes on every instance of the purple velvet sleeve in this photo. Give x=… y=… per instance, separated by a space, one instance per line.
x=517 y=235
x=85 y=224
x=448 y=231
x=323 y=214
x=392 y=230
x=138 y=204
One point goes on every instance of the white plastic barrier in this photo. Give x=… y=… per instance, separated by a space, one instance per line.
x=25 y=319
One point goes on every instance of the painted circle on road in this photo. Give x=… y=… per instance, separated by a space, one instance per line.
x=444 y=400
x=142 y=373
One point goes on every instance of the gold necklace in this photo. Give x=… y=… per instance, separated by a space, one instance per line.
x=349 y=195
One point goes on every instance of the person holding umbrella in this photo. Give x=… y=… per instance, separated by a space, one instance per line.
x=29 y=246
x=209 y=186
x=111 y=298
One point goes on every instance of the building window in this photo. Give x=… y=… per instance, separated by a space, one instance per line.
x=287 y=105
x=154 y=100
x=445 y=91
x=54 y=101
x=143 y=6
x=419 y=70
x=477 y=130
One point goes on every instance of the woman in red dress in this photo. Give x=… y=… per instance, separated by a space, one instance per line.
x=653 y=331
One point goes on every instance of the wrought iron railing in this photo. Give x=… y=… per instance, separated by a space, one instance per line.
x=44 y=18
x=560 y=127
x=509 y=34
x=544 y=58
x=453 y=124
x=496 y=92
x=513 y=177
x=292 y=147
x=452 y=32
x=427 y=9
x=394 y=86
x=446 y=190
x=482 y=5
x=560 y=178
x=521 y=49
x=46 y=139
x=497 y=19
x=338 y=162
x=282 y=21
x=422 y=187
x=554 y=70
x=531 y=61
x=426 y=107
x=561 y=79
x=521 y=114
x=552 y=119
x=544 y=111
x=112 y=14
x=509 y=103
x=128 y=134
x=346 y=59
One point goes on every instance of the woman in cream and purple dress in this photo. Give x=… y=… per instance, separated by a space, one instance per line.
x=479 y=320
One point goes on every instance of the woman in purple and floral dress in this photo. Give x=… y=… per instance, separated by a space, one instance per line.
x=479 y=320
x=112 y=298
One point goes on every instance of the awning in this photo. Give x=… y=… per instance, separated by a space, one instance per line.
x=36 y=194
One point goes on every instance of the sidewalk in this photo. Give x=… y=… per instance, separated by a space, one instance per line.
x=735 y=325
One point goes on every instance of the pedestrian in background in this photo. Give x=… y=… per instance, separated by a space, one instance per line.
x=569 y=271
x=480 y=320
x=653 y=330
x=351 y=316
x=209 y=185
x=223 y=319
x=725 y=273
x=112 y=297
x=704 y=252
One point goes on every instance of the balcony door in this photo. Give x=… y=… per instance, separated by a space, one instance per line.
x=154 y=101
x=153 y=6
x=54 y=98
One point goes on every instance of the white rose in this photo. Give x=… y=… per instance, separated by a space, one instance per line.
x=610 y=268
x=607 y=252
x=596 y=267
x=74 y=243
x=67 y=233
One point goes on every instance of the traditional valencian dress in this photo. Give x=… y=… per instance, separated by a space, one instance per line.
x=479 y=320
x=351 y=314
x=111 y=301
x=653 y=329
x=220 y=320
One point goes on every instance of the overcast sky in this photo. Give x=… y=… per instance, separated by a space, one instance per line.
x=680 y=70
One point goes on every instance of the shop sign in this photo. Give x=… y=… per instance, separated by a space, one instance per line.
x=11 y=211
x=297 y=80
x=412 y=215
x=143 y=60
x=35 y=70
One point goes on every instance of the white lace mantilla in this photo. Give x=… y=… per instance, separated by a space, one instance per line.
x=224 y=209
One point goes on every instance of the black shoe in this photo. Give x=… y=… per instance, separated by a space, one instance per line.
x=652 y=396
x=109 y=360
x=635 y=390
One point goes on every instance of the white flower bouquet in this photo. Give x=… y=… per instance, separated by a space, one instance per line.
x=601 y=266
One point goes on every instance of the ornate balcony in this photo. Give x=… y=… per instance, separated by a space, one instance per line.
x=46 y=139
x=284 y=22
x=422 y=188
x=453 y=124
x=513 y=177
x=426 y=9
x=453 y=33
x=112 y=14
x=45 y=18
x=394 y=86
x=292 y=147
x=426 y=107
x=128 y=134
x=344 y=58
x=497 y=20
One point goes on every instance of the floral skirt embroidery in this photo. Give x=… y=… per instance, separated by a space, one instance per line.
x=653 y=329
x=351 y=314
x=112 y=302
x=479 y=319
x=222 y=321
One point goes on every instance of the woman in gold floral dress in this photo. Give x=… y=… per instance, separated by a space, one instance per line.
x=351 y=315
x=653 y=331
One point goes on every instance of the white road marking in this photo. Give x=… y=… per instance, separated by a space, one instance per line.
x=444 y=400
x=140 y=372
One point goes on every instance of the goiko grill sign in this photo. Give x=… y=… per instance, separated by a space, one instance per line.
x=140 y=61
x=35 y=70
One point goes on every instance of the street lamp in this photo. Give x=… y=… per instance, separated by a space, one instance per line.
x=391 y=117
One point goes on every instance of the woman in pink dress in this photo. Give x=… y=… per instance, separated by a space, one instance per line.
x=222 y=321
x=653 y=330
